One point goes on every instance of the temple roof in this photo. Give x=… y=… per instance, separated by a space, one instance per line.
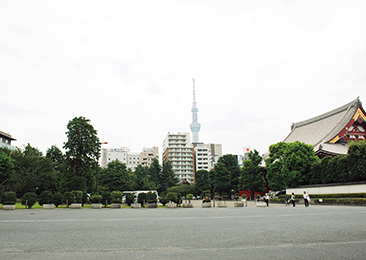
x=320 y=130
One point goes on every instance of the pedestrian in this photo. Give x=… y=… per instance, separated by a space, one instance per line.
x=306 y=199
x=287 y=200
x=266 y=199
x=293 y=199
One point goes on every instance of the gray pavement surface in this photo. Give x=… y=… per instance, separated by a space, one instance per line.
x=276 y=232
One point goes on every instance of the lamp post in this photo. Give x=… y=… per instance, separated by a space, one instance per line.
x=96 y=176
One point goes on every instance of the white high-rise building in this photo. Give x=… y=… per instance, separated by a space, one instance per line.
x=177 y=149
x=206 y=155
x=112 y=154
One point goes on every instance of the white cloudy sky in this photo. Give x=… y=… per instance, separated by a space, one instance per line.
x=128 y=67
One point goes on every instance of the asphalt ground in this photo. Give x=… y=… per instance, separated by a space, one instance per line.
x=276 y=232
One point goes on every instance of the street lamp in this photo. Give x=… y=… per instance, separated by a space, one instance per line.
x=96 y=176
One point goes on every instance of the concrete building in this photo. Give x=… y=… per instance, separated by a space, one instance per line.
x=177 y=149
x=203 y=157
x=148 y=154
x=5 y=140
x=132 y=160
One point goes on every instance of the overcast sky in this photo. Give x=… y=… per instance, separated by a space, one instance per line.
x=128 y=67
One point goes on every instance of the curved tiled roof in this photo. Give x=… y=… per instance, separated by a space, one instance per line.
x=323 y=128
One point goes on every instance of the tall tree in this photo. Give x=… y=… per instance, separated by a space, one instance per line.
x=252 y=174
x=155 y=171
x=167 y=178
x=225 y=177
x=275 y=174
x=203 y=182
x=6 y=169
x=116 y=177
x=82 y=148
x=142 y=181
x=32 y=172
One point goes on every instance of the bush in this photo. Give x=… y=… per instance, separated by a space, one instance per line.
x=78 y=195
x=116 y=196
x=189 y=197
x=96 y=198
x=68 y=198
x=106 y=198
x=151 y=197
x=130 y=198
x=57 y=199
x=45 y=197
x=29 y=199
x=141 y=198
x=172 y=196
x=163 y=201
x=9 y=198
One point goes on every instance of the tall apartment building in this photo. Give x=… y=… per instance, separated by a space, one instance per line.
x=177 y=149
x=132 y=160
x=206 y=155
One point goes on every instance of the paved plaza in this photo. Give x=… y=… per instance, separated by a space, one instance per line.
x=276 y=232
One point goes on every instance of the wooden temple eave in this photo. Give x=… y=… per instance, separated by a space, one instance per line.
x=355 y=128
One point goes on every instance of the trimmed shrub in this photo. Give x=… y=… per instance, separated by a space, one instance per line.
x=189 y=197
x=96 y=198
x=141 y=198
x=57 y=199
x=163 y=201
x=106 y=198
x=68 y=198
x=130 y=198
x=172 y=196
x=78 y=196
x=45 y=197
x=29 y=199
x=9 y=198
x=116 y=196
x=151 y=197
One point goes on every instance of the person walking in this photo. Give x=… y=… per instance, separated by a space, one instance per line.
x=293 y=199
x=266 y=199
x=306 y=199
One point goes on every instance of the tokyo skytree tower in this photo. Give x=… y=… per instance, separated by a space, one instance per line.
x=195 y=126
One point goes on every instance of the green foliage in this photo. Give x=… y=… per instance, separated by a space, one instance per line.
x=32 y=172
x=252 y=174
x=45 y=197
x=29 y=199
x=203 y=182
x=189 y=197
x=96 y=198
x=141 y=198
x=68 y=198
x=116 y=177
x=142 y=181
x=155 y=171
x=167 y=178
x=9 y=198
x=6 y=169
x=130 y=198
x=57 y=199
x=206 y=194
x=357 y=161
x=82 y=152
x=151 y=197
x=225 y=177
x=116 y=196
x=78 y=196
x=163 y=201
x=106 y=198
x=172 y=196
x=181 y=189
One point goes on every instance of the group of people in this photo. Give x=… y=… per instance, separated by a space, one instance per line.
x=305 y=196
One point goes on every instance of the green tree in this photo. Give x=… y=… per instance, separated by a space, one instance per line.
x=116 y=177
x=82 y=151
x=142 y=181
x=6 y=169
x=203 y=182
x=29 y=199
x=225 y=177
x=57 y=199
x=32 y=172
x=167 y=177
x=45 y=197
x=275 y=175
x=252 y=174
x=130 y=198
x=155 y=171
x=357 y=161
